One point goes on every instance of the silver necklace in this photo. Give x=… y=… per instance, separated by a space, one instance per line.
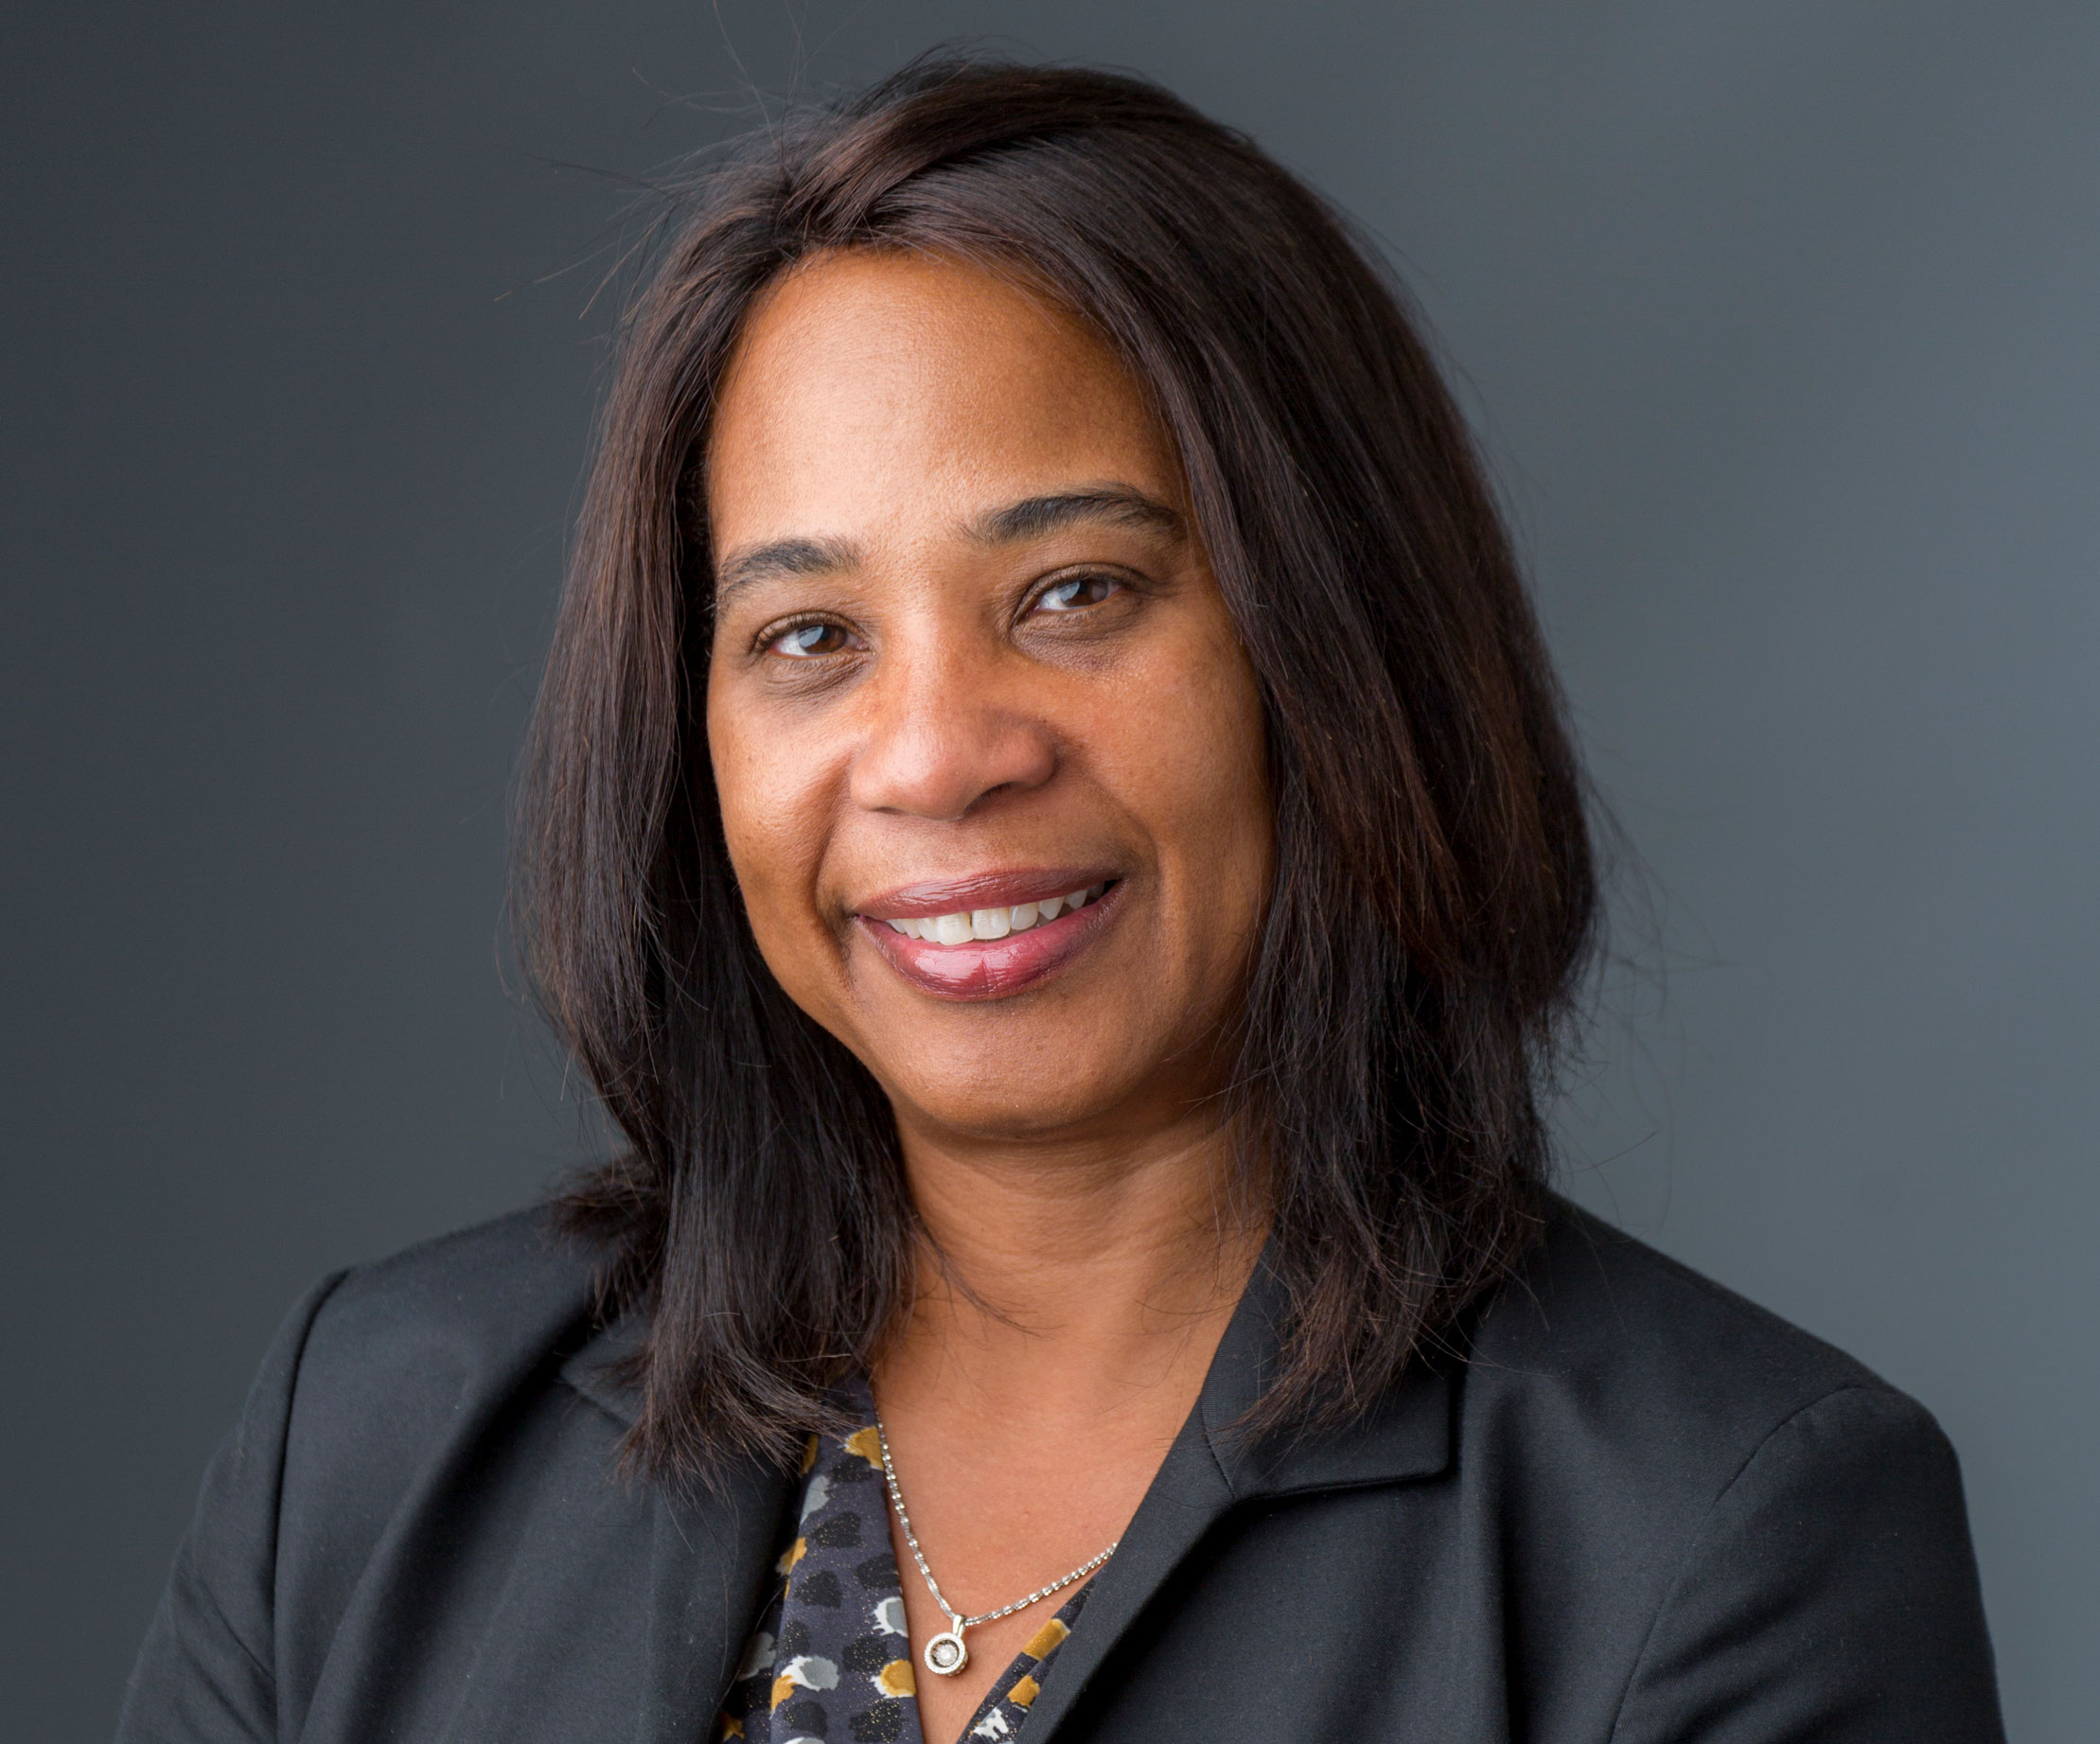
x=945 y=1653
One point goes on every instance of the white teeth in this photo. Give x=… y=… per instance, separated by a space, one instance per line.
x=985 y=925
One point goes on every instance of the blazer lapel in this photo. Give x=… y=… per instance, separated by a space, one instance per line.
x=1186 y=1498
x=1212 y=1469
x=711 y=1556
x=711 y=1553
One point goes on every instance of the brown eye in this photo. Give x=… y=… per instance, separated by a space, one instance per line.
x=810 y=640
x=1078 y=593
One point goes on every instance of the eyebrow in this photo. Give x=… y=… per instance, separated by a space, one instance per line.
x=1036 y=516
x=1031 y=517
x=780 y=558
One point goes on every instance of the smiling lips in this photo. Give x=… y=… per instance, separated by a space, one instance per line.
x=987 y=924
x=993 y=947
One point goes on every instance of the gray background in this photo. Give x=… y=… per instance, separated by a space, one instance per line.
x=1782 y=324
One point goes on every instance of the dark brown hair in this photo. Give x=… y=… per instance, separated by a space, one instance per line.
x=1435 y=897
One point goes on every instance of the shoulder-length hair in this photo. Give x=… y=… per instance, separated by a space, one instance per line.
x=1433 y=898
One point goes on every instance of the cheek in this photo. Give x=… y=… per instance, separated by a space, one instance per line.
x=772 y=823
x=1232 y=784
x=1190 y=758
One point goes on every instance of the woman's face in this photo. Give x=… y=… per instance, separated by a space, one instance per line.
x=989 y=753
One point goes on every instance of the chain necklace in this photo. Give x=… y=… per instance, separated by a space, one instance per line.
x=945 y=1653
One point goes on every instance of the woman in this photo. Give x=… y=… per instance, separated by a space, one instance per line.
x=1053 y=835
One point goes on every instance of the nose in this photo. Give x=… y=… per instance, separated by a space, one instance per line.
x=945 y=730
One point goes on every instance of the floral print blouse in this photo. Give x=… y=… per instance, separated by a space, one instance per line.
x=830 y=1660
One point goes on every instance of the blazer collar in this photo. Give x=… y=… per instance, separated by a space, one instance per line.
x=712 y=1554
x=1212 y=1468
x=711 y=1557
x=590 y=1370
x=1405 y=1433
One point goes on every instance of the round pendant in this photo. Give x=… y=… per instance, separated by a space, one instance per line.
x=945 y=1654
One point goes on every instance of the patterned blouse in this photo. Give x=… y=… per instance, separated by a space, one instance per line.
x=830 y=1660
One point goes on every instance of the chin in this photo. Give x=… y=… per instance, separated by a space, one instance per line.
x=973 y=1100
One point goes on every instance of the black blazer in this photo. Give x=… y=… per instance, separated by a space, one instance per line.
x=1641 y=1510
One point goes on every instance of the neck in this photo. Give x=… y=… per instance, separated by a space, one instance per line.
x=1104 y=1271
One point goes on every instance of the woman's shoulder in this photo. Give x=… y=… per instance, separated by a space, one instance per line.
x=1601 y=1328
x=1723 y=1497
x=438 y=1326
x=1604 y=1369
x=1585 y=1273
x=387 y=1369
x=378 y=1382
x=1603 y=1312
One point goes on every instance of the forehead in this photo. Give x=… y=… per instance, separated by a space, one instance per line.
x=870 y=389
